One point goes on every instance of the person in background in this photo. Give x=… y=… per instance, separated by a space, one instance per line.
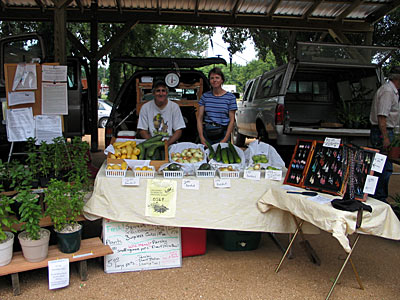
x=384 y=117
x=216 y=115
x=161 y=116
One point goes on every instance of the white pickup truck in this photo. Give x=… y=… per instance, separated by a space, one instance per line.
x=326 y=92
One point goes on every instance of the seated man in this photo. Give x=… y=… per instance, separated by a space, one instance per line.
x=160 y=116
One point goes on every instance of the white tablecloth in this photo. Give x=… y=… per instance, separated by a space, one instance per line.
x=381 y=222
x=233 y=208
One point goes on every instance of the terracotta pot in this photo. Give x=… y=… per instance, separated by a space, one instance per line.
x=6 y=249
x=35 y=250
x=394 y=153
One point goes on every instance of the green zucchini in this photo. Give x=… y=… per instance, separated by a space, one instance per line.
x=218 y=153
x=211 y=154
x=156 y=155
x=230 y=156
x=152 y=140
x=150 y=150
x=235 y=154
x=224 y=155
x=142 y=151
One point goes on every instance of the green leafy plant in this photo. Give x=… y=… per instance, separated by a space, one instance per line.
x=33 y=157
x=7 y=218
x=64 y=202
x=79 y=156
x=61 y=156
x=44 y=161
x=30 y=213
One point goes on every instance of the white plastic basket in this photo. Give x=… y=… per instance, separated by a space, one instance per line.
x=205 y=173
x=145 y=174
x=173 y=174
x=115 y=173
x=228 y=174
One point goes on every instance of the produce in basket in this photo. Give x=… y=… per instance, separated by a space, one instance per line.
x=228 y=168
x=227 y=155
x=190 y=155
x=260 y=158
x=205 y=167
x=173 y=167
x=125 y=150
x=121 y=166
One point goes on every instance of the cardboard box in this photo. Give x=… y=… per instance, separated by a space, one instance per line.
x=155 y=163
x=193 y=241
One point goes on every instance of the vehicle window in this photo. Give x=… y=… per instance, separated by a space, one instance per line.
x=276 y=84
x=266 y=87
x=101 y=106
x=22 y=51
x=292 y=87
x=305 y=87
x=253 y=90
x=320 y=87
x=247 y=92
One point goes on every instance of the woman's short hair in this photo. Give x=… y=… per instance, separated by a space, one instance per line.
x=217 y=71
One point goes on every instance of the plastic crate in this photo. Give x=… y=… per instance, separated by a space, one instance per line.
x=115 y=173
x=239 y=240
x=228 y=174
x=172 y=174
x=193 y=241
x=145 y=174
x=205 y=173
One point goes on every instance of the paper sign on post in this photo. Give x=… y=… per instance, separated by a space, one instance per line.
x=15 y=98
x=161 y=198
x=252 y=175
x=331 y=143
x=58 y=273
x=131 y=181
x=379 y=162
x=189 y=184
x=273 y=174
x=222 y=183
x=370 y=184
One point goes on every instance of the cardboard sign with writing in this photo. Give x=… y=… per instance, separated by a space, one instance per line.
x=141 y=247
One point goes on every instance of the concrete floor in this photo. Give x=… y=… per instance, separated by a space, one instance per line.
x=238 y=275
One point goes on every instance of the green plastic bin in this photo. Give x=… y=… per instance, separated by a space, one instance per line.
x=239 y=240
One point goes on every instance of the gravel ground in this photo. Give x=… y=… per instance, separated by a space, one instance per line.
x=238 y=275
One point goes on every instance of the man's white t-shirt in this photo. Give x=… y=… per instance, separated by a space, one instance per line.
x=160 y=121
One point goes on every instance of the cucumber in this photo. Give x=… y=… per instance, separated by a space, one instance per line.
x=230 y=156
x=156 y=155
x=211 y=154
x=151 y=141
x=142 y=151
x=150 y=150
x=218 y=153
x=235 y=154
x=224 y=155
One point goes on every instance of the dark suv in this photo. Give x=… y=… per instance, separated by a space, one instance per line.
x=185 y=84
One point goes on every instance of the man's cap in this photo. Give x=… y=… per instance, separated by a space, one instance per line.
x=395 y=70
x=158 y=83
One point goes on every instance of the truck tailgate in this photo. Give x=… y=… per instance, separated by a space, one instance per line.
x=327 y=131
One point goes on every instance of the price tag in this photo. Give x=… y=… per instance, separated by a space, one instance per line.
x=130 y=181
x=379 y=162
x=189 y=184
x=273 y=174
x=370 y=184
x=331 y=143
x=252 y=175
x=222 y=183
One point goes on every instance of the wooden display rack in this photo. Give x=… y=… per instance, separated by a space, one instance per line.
x=90 y=248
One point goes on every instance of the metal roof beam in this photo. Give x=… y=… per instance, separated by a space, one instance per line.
x=119 y=6
x=40 y=4
x=196 y=8
x=173 y=18
x=236 y=7
x=2 y=5
x=384 y=10
x=79 y=3
x=274 y=6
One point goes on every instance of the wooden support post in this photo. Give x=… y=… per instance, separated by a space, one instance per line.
x=15 y=284
x=83 y=270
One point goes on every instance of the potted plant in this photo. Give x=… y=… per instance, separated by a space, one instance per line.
x=61 y=158
x=6 y=237
x=33 y=161
x=65 y=203
x=34 y=240
x=45 y=164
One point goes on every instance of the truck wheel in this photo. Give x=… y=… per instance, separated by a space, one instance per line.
x=237 y=138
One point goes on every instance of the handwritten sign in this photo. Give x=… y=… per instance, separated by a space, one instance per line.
x=189 y=184
x=370 y=184
x=130 y=181
x=252 y=175
x=58 y=273
x=273 y=174
x=139 y=247
x=331 y=143
x=379 y=162
x=222 y=183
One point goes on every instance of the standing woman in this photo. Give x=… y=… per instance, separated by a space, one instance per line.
x=217 y=107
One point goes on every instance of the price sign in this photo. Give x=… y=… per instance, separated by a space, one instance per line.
x=379 y=162
x=252 y=175
x=189 y=184
x=273 y=174
x=222 y=183
x=130 y=181
x=331 y=143
x=370 y=184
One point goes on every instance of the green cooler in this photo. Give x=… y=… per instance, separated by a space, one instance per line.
x=239 y=240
